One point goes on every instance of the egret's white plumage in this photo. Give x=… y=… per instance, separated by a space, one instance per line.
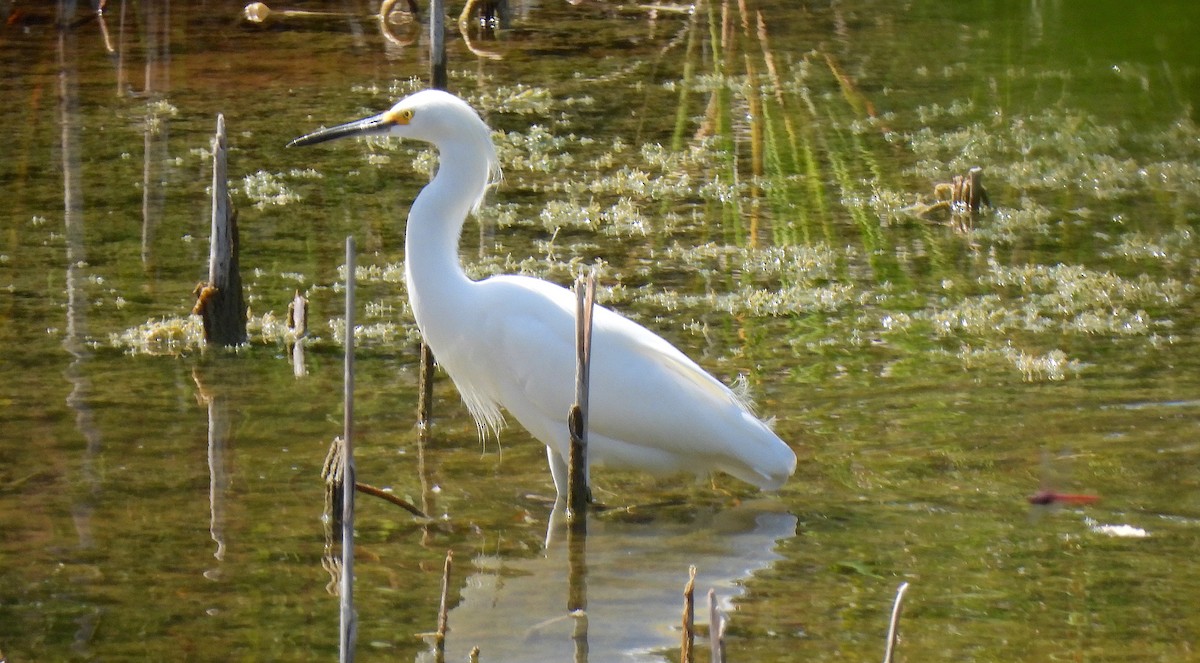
x=508 y=341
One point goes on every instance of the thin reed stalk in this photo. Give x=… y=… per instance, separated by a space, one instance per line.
x=348 y=626
x=688 y=636
x=894 y=624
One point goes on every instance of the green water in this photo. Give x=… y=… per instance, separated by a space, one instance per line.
x=752 y=192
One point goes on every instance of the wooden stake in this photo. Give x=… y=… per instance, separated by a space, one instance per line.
x=348 y=626
x=425 y=394
x=578 y=492
x=220 y=302
x=297 y=315
x=894 y=625
x=977 y=195
x=689 y=618
x=437 y=44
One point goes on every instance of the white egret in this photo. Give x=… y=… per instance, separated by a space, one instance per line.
x=508 y=341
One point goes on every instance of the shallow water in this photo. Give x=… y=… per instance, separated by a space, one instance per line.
x=759 y=193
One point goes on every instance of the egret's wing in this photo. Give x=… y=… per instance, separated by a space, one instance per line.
x=643 y=392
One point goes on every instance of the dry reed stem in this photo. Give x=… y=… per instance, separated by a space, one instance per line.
x=689 y=618
x=347 y=617
x=894 y=625
x=443 y=608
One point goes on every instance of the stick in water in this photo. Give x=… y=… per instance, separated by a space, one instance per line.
x=689 y=618
x=894 y=625
x=443 y=609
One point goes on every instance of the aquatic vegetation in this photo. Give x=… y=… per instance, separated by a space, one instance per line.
x=1054 y=365
x=791 y=264
x=185 y=335
x=520 y=99
x=387 y=334
x=1170 y=248
x=268 y=189
x=390 y=273
x=157 y=112
x=1071 y=288
x=534 y=150
x=760 y=302
x=167 y=336
x=1054 y=150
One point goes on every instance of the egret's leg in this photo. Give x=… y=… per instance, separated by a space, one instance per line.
x=559 y=471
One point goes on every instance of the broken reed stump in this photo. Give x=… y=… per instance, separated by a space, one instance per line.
x=297 y=316
x=578 y=492
x=220 y=302
x=333 y=474
x=972 y=194
x=689 y=619
x=963 y=197
x=439 y=642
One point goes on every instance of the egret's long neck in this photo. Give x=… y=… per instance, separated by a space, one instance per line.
x=432 y=270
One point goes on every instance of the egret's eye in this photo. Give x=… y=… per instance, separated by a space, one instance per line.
x=401 y=116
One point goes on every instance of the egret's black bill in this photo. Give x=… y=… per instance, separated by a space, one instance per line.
x=376 y=124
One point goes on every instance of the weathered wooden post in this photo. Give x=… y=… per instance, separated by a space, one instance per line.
x=437 y=80
x=220 y=302
x=578 y=492
x=437 y=44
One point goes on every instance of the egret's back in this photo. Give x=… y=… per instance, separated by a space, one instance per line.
x=650 y=407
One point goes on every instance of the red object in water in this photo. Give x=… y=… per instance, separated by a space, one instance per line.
x=1051 y=497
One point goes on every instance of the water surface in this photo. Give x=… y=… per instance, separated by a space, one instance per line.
x=756 y=180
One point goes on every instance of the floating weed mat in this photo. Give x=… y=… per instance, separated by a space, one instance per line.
x=184 y=335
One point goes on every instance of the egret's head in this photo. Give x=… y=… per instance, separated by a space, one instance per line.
x=428 y=115
x=432 y=116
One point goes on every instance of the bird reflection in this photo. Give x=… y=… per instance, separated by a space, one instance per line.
x=516 y=610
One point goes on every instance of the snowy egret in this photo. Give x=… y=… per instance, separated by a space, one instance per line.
x=508 y=341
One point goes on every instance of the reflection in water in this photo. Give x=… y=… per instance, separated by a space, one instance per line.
x=219 y=476
x=77 y=303
x=516 y=610
x=156 y=33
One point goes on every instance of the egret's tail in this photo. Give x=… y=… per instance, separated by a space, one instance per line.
x=763 y=459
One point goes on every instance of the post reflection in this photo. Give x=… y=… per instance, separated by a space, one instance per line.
x=75 y=339
x=220 y=430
